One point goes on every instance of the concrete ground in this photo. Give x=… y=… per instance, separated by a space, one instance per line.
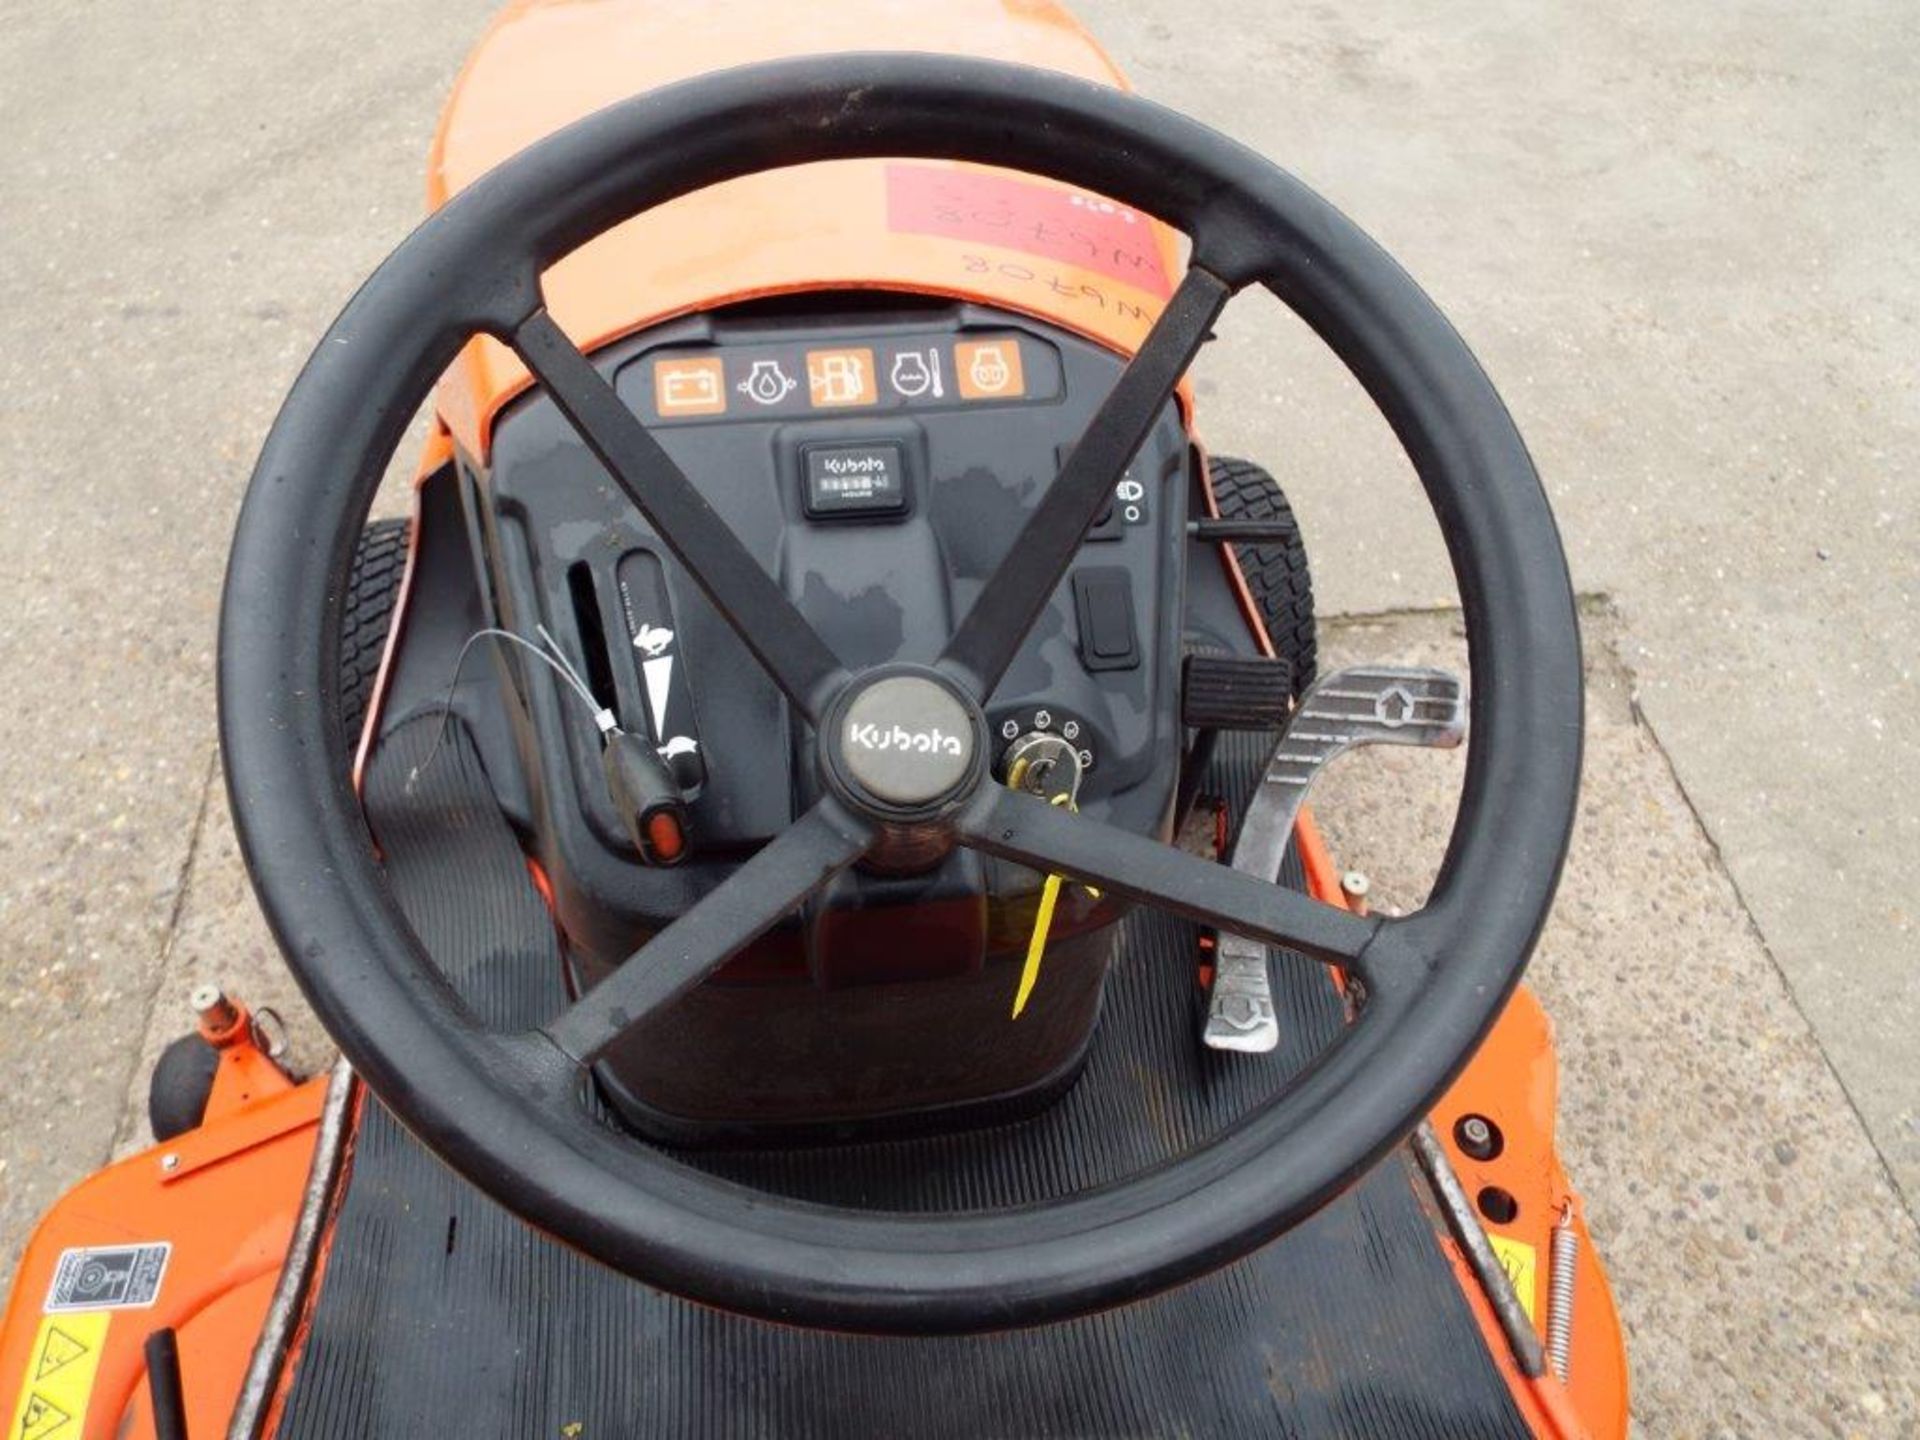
x=1683 y=240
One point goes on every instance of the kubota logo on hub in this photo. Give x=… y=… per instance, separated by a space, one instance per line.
x=869 y=736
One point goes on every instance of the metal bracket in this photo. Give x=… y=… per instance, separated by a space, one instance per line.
x=270 y=1348
x=1364 y=705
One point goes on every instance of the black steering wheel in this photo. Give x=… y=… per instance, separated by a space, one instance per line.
x=504 y=1109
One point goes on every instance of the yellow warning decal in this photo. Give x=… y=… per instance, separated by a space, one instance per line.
x=1517 y=1258
x=59 y=1380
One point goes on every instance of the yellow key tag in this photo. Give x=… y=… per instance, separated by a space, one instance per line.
x=1042 y=923
x=1037 y=946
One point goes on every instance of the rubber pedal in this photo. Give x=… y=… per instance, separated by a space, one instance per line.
x=1235 y=692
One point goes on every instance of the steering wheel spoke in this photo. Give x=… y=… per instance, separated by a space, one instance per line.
x=989 y=636
x=790 y=649
x=788 y=869
x=1025 y=828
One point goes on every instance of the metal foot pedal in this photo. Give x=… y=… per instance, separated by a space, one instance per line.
x=1240 y=1007
x=1366 y=705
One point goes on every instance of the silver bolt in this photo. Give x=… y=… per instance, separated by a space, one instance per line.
x=211 y=1006
x=1477 y=1131
x=1354 y=886
x=170 y=1162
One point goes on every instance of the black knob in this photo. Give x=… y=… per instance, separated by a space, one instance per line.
x=647 y=796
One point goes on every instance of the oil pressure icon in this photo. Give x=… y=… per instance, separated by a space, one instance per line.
x=767 y=383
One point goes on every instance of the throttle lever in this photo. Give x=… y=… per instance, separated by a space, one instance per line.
x=647 y=796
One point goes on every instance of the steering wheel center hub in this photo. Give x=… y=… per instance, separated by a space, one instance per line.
x=906 y=740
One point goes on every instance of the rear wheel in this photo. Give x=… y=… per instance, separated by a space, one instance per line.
x=1276 y=572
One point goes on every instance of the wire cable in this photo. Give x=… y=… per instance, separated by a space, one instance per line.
x=548 y=653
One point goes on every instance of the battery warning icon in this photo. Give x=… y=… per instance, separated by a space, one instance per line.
x=684 y=385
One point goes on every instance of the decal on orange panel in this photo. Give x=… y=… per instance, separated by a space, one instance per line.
x=1519 y=1260
x=989 y=369
x=840 y=377
x=61 y=1366
x=689 y=385
x=1051 y=221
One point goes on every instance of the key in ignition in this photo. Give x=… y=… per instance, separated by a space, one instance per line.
x=1044 y=765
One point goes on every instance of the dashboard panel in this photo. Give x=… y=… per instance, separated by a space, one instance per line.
x=878 y=457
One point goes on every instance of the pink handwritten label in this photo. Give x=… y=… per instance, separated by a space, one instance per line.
x=1053 y=221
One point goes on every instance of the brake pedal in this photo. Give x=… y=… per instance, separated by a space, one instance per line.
x=1364 y=705
x=1240 y=1007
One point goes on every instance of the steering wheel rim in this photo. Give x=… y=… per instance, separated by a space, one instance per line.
x=500 y=1108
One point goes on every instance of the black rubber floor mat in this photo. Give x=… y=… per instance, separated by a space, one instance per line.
x=440 y=1314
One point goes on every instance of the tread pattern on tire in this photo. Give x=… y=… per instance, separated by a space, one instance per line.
x=1277 y=574
x=373 y=587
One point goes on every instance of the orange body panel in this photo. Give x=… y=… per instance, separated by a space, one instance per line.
x=1003 y=240
x=226 y=1201
x=229 y=1202
x=1514 y=1082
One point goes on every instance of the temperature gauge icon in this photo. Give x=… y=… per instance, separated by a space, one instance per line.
x=916 y=373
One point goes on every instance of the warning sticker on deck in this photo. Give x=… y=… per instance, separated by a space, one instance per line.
x=61 y=1367
x=1517 y=1258
x=107 y=1277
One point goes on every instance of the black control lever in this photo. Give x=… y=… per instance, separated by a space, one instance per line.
x=1252 y=532
x=164 y=1388
x=647 y=796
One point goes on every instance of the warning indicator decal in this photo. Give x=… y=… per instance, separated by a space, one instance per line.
x=1052 y=221
x=59 y=1381
x=107 y=1277
x=1517 y=1258
x=61 y=1349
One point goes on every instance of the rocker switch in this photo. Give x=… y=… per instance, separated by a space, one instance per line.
x=1103 y=604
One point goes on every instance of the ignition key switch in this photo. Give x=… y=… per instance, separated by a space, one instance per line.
x=1044 y=765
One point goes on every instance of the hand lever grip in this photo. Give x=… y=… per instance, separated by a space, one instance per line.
x=647 y=796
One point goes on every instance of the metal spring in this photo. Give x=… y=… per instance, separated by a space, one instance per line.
x=1566 y=1250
